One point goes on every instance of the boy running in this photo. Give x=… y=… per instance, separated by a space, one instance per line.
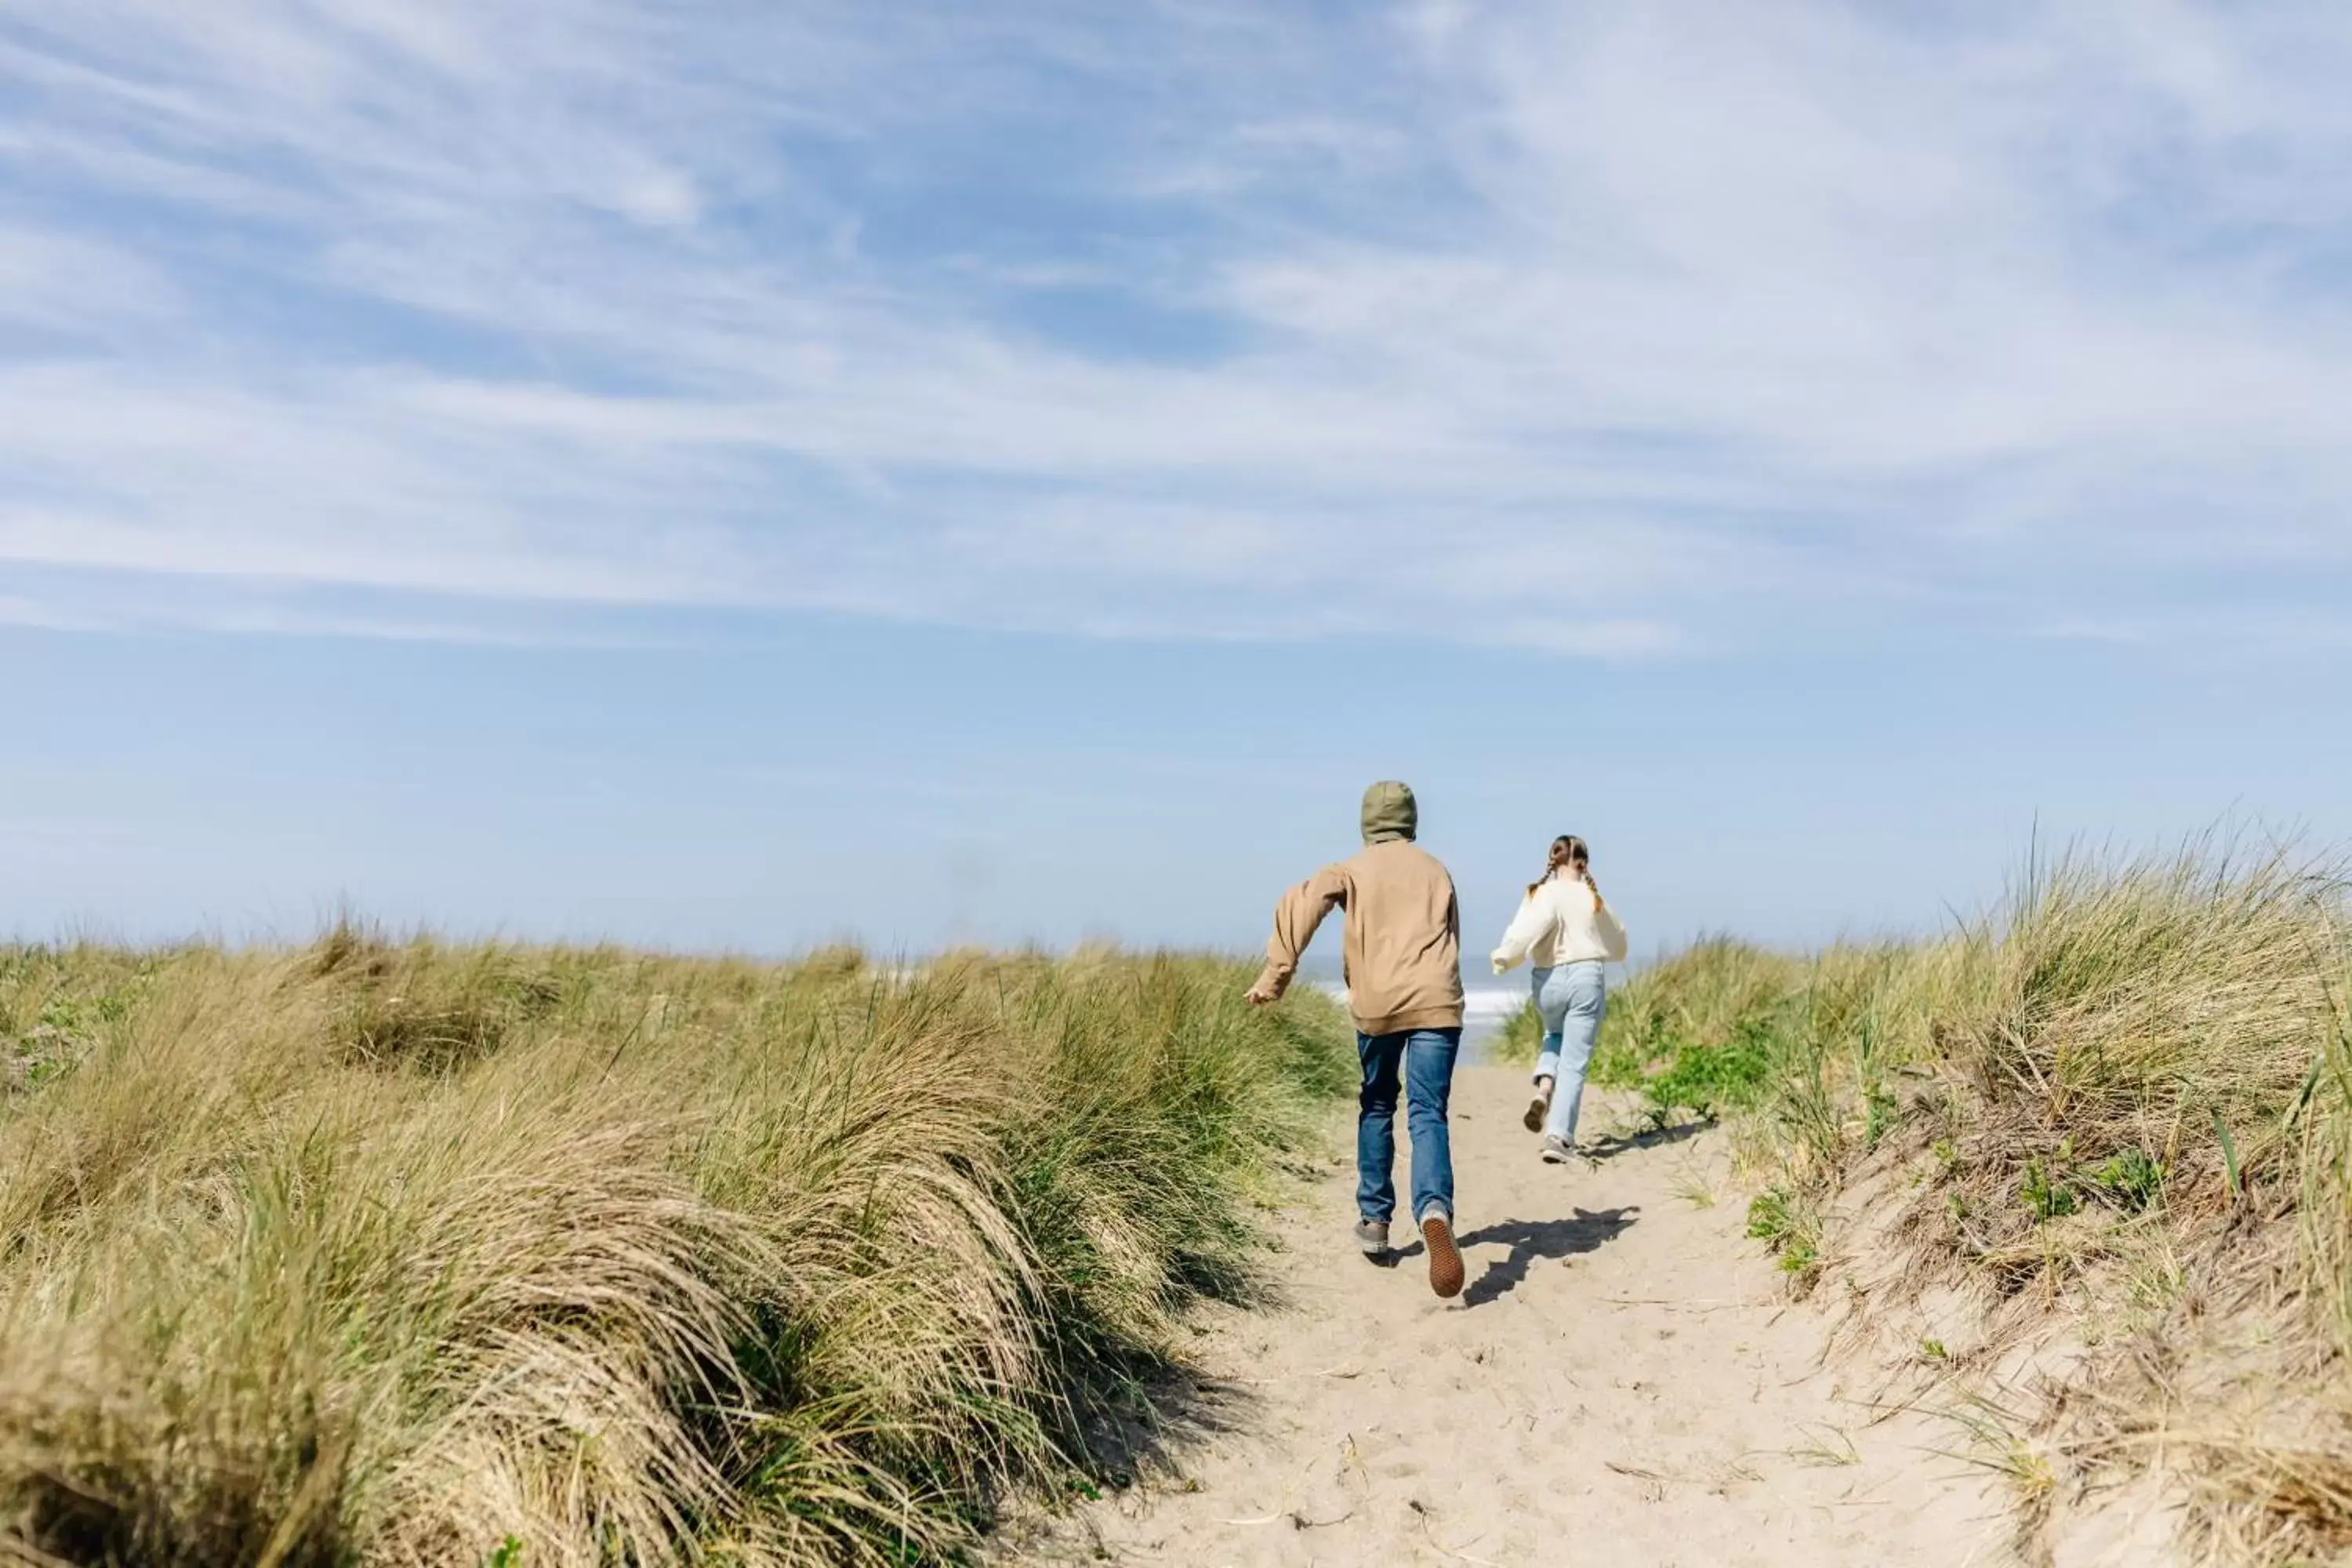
x=1403 y=958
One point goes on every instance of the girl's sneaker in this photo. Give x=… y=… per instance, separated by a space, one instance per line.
x=1557 y=1151
x=1372 y=1235
x=1538 y=1107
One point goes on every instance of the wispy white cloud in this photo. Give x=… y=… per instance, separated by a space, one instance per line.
x=1607 y=333
x=63 y=283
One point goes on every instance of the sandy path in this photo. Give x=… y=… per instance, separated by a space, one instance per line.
x=1620 y=1384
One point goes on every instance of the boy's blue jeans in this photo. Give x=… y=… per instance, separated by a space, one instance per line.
x=1426 y=1057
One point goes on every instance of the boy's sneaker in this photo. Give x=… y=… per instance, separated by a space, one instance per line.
x=1557 y=1152
x=1444 y=1257
x=1372 y=1235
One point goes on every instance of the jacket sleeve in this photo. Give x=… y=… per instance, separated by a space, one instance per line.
x=1534 y=918
x=1612 y=931
x=1296 y=919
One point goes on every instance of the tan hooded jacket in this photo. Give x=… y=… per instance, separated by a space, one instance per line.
x=1402 y=953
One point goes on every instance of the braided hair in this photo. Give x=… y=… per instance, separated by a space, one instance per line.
x=1567 y=853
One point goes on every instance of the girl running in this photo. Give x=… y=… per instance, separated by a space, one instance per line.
x=1568 y=933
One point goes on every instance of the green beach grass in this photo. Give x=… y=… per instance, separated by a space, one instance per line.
x=400 y=1253
x=2116 y=1110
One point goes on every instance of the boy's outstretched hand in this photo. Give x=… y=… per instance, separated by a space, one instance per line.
x=1264 y=993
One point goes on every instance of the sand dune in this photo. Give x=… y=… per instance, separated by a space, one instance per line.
x=1621 y=1383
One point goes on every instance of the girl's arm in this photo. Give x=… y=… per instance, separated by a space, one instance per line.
x=1612 y=929
x=1534 y=919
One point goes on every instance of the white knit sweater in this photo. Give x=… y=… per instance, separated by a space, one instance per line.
x=1562 y=922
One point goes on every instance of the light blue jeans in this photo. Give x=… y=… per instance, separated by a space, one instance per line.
x=1571 y=1000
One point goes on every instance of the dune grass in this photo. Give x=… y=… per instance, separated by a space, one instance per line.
x=2117 y=1111
x=389 y=1252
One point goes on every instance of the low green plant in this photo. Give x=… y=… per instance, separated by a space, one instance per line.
x=1790 y=1228
x=2045 y=1191
x=1881 y=1110
x=2134 y=1179
x=1707 y=1081
x=54 y=1011
x=1771 y=1216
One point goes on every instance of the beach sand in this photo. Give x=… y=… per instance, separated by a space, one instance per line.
x=1621 y=1383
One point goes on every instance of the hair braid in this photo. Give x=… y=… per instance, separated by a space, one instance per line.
x=1571 y=852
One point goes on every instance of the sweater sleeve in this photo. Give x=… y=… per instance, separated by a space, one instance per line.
x=1612 y=931
x=1535 y=917
x=1296 y=919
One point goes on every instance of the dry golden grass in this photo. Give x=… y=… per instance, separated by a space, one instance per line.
x=393 y=1252
x=2116 y=1114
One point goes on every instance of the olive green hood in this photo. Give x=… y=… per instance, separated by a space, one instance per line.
x=1390 y=813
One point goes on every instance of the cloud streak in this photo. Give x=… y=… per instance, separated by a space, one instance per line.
x=1608 y=335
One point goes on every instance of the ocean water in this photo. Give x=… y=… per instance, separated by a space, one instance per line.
x=1484 y=1010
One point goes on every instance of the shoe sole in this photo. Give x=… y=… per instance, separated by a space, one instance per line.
x=1556 y=1156
x=1444 y=1257
x=1534 y=1119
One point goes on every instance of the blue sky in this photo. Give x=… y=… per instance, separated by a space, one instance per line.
x=744 y=474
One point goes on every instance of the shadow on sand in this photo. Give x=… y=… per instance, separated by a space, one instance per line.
x=1586 y=1230
x=1125 y=1432
x=1610 y=1144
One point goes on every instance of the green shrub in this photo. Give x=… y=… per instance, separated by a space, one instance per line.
x=1792 y=1227
x=1709 y=1080
x=2045 y=1191
x=2134 y=1179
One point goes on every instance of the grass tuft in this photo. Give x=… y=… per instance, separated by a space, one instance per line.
x=396 y=1253
x=2120 y=1107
